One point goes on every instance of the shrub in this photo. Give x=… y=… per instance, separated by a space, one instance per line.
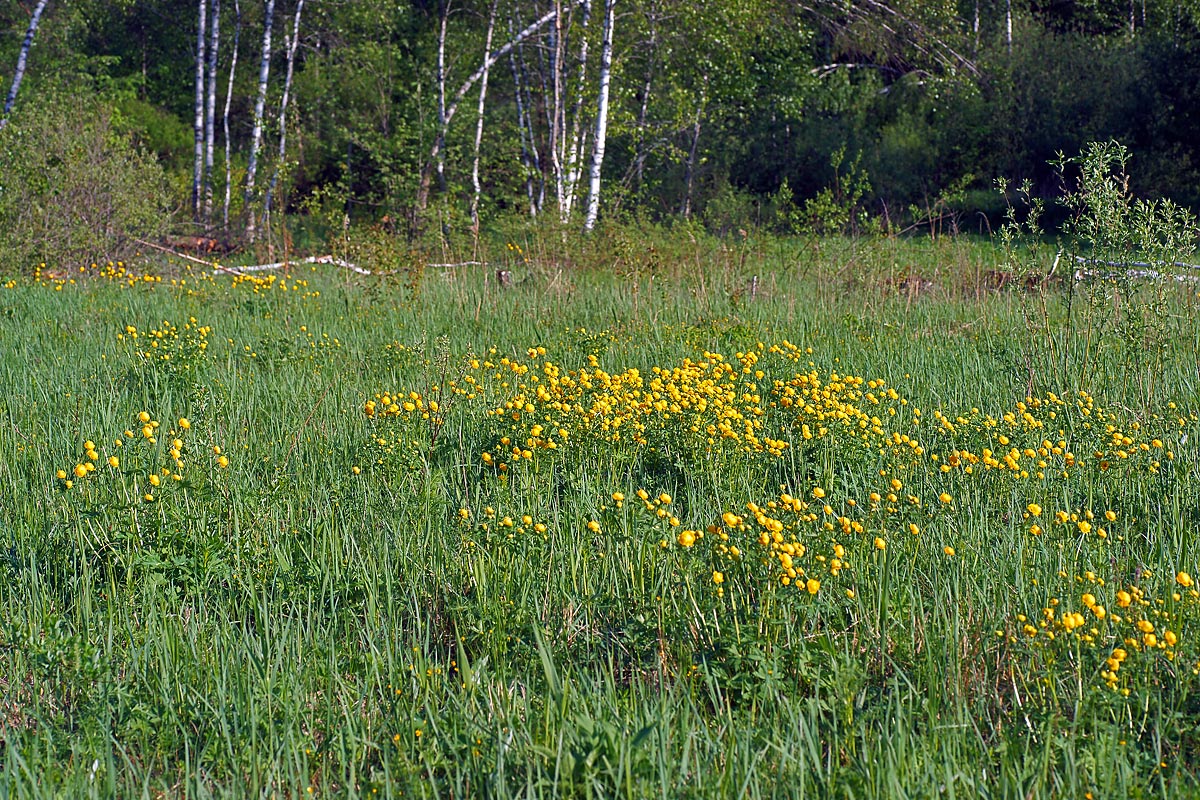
x=73 y=189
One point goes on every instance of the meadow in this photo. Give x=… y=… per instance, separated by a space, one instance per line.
x=685 y=518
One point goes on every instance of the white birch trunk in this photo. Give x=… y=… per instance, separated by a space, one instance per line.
x=640 y=153
x=443 y=20
x=22 y=59
x=264 y=73
x=237 y=32
x=291 y=45
x=529 y=160
x=452 y=107
x=1008 y=25
x=685 y=209
x=198 y=121
x=574 y=150
x=483 y=82
x=606 y=48
x=210 y=109
x=557 y=115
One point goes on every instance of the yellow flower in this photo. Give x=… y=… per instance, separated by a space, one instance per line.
x=184 y=424
x=593 y=526
x=1034 y=509
x=155 y=480
x=356 y=470
x=143 y=417
x=80 y=470
x=948 y=550
x=945 y=498
x=664 y=498
x=149 y=498
x=913 y=529
x=687 y=538
x=618 y=497
x=1183 y=579
x=222 y=462
x=880 y=544
x=718 y=577
x=818 y=492
x=812 y=585
x=89 y=445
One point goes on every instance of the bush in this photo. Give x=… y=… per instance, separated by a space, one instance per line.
x=73 y=189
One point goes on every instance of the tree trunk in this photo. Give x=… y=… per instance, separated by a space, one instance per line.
x=574 y=150
x=452 y=107
x=22 y=58
x=606 y=48
x=529 y=155
x=1008 y=25
x=198 y=120
x=264 y=73
x=237 y=32
x=685 y=209
x=483 y=82
x=291 y=45
x=210 y=109
x=443 y=20
x=557 y=117
x=640 y=152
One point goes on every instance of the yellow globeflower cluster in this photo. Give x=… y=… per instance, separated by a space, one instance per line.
x=179 y=345
x=759 y=405
x=1140 y=625
x=138 y=460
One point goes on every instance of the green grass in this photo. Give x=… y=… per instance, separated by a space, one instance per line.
x=291 y=626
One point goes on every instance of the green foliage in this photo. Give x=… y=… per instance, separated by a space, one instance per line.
x=1120 y=260
x=74 y=190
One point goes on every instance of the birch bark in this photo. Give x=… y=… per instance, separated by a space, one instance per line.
x=291 y=45
x=574 y=150
x=198 y=121
x=606 y=52
x=210 y=108
x=260 y=102
x=452 y=107
x=237 y=32
x=483 y=82
x=22 y=59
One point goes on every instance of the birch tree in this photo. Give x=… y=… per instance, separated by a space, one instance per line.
x=260 y=102
x=198 y=122
x=291 y=45
x=439 y=141
x=483 y=83
x=570 y=157
x=210 y=108
x=237 y=31
x=22 y=59
x=530 y=160
x=606 y=55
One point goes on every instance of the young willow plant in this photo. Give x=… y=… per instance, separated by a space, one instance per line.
x=1123 y=252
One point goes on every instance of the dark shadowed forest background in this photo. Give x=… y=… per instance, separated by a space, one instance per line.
x=135 y=118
